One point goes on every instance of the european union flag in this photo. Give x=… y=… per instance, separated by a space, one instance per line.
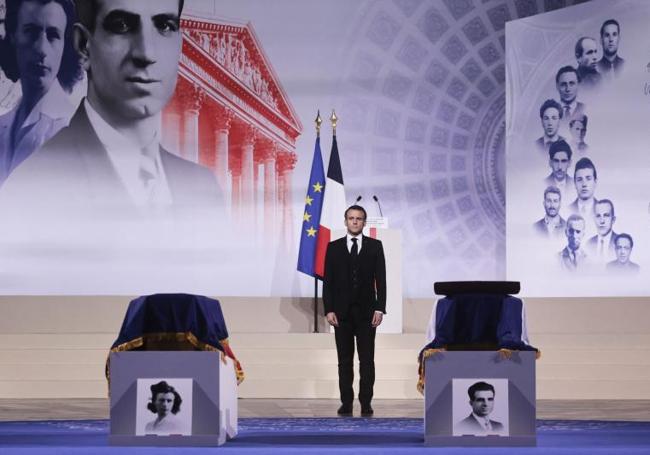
x=311 y=216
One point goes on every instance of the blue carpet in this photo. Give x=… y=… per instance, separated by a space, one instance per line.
x=328 y=435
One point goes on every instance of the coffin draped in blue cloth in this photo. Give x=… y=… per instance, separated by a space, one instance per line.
x=475 y=321
x=175 y=322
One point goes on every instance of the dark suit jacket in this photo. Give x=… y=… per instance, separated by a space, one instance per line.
x=540 y=228
x=592 y=244
x=469 y=425
x=74 y=167
x=337 y=288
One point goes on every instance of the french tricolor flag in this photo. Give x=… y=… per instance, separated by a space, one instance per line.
x=334 y=206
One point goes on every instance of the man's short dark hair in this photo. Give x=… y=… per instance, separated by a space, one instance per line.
x=87 y=10
x=609 y=22
x=605 y=201
x=582 y=118
x=479 y=387
x=566 y=69
x=550 y=104
x=623 y=235
x=552 y=189
x=163 y=387
x=70 y=71
x=559 y=146
x=585 y=163
x=356 y=207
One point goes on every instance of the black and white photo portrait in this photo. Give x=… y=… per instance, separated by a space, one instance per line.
x=164 y=407
x=480 y=407
x=622 y=265
x=587 y=56
x=611 y=64
x=551 y=224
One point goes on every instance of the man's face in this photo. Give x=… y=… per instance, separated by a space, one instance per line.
x=604 y=218
x=577 y=131
x=552 y=204
x=551 y=121
x=575 y=230
x=623 y=250
x=567 y=86
x=133 y=57
x=585 y=183
x=355 y=221
x=39 y=43
x=483 y=403
x=609 y=39
x=589 y=57
x=164 y=403
x=559 y=165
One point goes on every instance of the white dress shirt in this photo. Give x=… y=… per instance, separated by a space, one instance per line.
x=50 y=114
x=359 y=242
x=127 y=159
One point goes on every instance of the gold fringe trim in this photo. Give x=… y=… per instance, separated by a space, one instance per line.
x=180 y=337
x=505 y=354
x=425 y=355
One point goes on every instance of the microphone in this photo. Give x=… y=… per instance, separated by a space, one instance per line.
x=358 y=199
x=378 y=205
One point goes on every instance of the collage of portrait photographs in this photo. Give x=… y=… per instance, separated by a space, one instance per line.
x=575 y=212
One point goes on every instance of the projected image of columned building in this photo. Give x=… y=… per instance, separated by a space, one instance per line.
x=230 y=114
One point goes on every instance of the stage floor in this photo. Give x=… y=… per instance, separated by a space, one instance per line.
x=82 y=409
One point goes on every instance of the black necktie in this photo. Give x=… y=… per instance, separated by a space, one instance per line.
x=355 y=248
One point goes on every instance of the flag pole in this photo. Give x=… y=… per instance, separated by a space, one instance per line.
x=318 y=122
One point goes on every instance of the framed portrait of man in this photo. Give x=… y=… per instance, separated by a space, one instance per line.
x=480 y=407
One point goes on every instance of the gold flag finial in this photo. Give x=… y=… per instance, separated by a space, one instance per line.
x=318 y=122
x=333 y=120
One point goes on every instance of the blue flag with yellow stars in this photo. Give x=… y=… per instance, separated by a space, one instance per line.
x=311 y=215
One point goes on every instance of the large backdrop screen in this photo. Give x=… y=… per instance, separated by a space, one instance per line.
x=578 y=165
x=181 y=163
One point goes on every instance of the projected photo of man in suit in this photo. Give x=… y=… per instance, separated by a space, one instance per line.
x=573 y=256
x=567 y=83
x=111 y=153
x=552 y=224
x=601 y=245
x=585 y=179
x=611 y=64
x=586 y=50
x=481 y=400
x=559 y=160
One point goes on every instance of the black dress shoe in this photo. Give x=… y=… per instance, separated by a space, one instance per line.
x=367 y=411
x=345 y=410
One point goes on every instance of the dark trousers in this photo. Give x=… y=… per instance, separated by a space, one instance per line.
x=356 y=325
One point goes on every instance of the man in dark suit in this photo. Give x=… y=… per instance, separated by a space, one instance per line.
x=559 y=160
x=585 y=179
x=567 y=83
x=550 y=113
x=611 y=65
x=587 y=56
x=354 y=297
x=481 y=399
x=601 y=246
x=552 y=224
x=110 y=153
x=573 y=257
